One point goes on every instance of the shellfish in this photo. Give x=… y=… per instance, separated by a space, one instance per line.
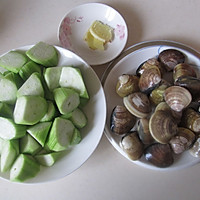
x=177 y=97
x=122 y=121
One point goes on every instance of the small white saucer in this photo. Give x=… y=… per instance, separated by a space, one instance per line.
x=76 y=23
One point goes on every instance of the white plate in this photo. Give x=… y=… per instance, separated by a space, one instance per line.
x=92 y=133
x=128 y=62
x=76 y=23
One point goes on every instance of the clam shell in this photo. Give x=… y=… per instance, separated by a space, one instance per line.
x=191 y=120
x=190 y=83
x=122 y=121
x=177 y=97
x=162 y=126
x=183 y=70
x=149 y=79
x=159 y=155
x=182 y=141
x=132 y=146
x=144 y=132
x=195 y=150
x=138 y=104
x=150 y=62
x=170 y=58
x=127 y=84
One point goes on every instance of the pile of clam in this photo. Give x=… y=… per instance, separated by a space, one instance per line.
x=160 y=115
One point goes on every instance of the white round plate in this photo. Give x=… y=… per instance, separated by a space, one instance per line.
x=128 y=62
x=95 y=111
x=76 y=23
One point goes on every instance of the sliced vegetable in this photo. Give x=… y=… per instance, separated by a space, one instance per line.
x=29 y=110
x=6 y=110
x=76 y=138
x=13 y=61
x=39 y=118
x=29 y=68
x=71 y=77
x=51 y=112
x=29 y=145
x=43 y=54
x=9 y=153
x=1 y=144
x=66 y=99
x=9 y=130
x=48 y=159
x=14 y=77
x=40 y=131
x=78 y=118
x=52 y=77
x=60 y=134
x=24 y=167
x=8 y=90
x=32 y=86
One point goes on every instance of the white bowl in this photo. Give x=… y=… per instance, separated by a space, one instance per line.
x=76 y=23
x=128 y=62
x=95 y=111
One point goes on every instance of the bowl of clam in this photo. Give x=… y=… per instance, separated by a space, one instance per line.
x=153 y=99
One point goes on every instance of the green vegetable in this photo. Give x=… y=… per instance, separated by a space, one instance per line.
x=8 y=90
x=24 y=167
x=66 y=99
x=39 y=114
x=29 y=68
x=40 y=131
x=32 y=86
x=13 y=61
x=6 y=110
x=9 y=130
x=43 y=54
x=29 y=110
x=60 y=134
x=78 y=118
x=29 y=145
x=48 y=159
x=52 y=77
x=76 y=138
x=9 y=153
x=14 y=77
x=1 y=144
x=51 y=112
x=71 y=77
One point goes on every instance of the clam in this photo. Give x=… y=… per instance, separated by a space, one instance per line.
x=165 y=107
x=149 y=79
x=169 y=58
x=138 y=104
x=159 y=155
x=144 y=132
x=191 y=120
x=162 y=126
x=157 y=95
x=177 y=97
x=195 y=150
x=122 y=121
x=183 y=70
x=182 y=140
x=150 y=62
x=190 y=83
x=127 y=84
x=132 y=146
